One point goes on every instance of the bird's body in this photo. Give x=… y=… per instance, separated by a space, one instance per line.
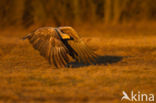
x=60 y=44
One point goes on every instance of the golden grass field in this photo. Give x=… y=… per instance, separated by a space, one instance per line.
x=127 y=61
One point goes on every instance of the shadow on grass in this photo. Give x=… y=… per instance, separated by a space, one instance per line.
x=99 y=61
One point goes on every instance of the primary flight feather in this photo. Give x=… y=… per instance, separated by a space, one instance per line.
x=59 y=45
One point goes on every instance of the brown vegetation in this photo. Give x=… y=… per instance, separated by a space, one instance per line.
x=74 y=12
x=126 y=63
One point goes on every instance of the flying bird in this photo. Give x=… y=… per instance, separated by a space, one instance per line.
x=59 y=45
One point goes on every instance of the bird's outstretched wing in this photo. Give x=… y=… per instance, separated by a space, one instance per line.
x=70 y=31
x=79 y=49
x=49 y=44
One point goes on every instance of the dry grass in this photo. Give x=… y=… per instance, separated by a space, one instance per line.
x=125 y=63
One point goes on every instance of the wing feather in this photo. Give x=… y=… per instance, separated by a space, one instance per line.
x=51 y=61
x=56 y=57
x=84 y=53
x=61 y=57
x=80 y=53
x=64 y=54
x=50 y=45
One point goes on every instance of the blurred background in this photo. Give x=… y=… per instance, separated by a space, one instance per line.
x=28 y=13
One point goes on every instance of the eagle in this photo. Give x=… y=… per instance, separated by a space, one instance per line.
x=60 y=45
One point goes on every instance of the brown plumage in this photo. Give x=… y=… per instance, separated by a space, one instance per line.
x=59 y=45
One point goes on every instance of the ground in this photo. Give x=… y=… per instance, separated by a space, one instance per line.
x=125 y=63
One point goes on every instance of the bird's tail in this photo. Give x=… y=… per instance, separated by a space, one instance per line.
x=27 y=36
